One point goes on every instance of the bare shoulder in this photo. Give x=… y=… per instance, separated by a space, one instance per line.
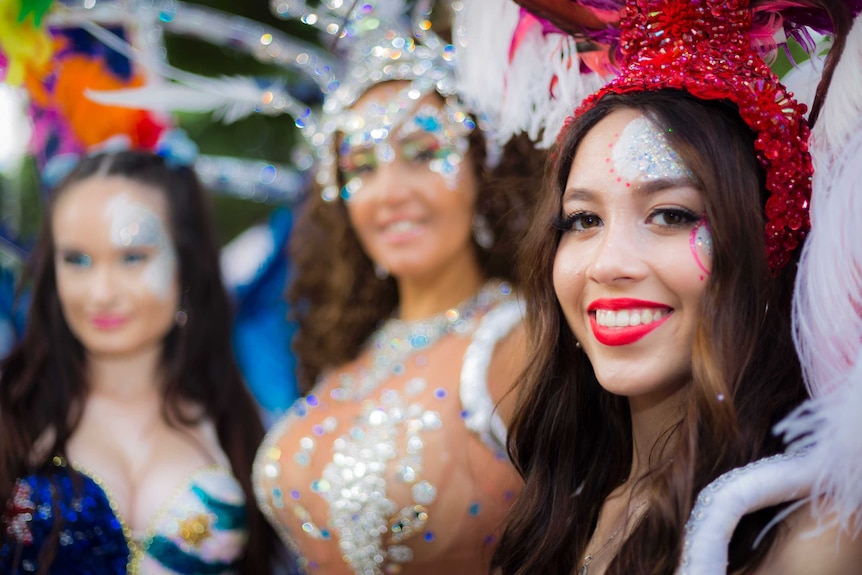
x=807 y=548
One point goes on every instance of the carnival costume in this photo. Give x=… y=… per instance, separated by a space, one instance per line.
x=378 y=468
x=714 y=50
x=199 y=529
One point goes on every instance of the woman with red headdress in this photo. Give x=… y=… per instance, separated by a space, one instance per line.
x=663 y=258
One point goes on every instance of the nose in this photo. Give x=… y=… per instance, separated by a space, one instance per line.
x=619 y=255
x=103 y=285
x=391 y=183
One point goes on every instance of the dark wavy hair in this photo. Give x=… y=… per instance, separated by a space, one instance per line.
x=42 y=382
x=337 y=299
x=572 y=441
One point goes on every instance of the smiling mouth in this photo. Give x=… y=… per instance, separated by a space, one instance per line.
x=629 y=317
x=626 y=326
x=400 y=227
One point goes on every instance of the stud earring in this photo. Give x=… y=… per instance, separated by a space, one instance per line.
x=482 y=232
x=380 y=271
x=181 y=318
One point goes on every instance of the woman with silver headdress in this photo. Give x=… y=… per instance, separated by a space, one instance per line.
x=409 y=326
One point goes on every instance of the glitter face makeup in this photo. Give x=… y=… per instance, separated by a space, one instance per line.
x=407 y=127
x=412 y=215
x=116 y=265
x=700 y=242
x=643 y=153
x=623 y=273
x=135 y=225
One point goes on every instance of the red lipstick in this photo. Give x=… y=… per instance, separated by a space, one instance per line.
x=616 y=336
x=624 y=303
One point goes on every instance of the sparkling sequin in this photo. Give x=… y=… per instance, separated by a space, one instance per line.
x=99 y=534
x=705 y=48
x=136 y=225
x=643 y=153
x=729 y=481
x=392 y=342
x=384 y=440
x=95 y=540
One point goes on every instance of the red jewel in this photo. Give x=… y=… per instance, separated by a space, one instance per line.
x=656 y=38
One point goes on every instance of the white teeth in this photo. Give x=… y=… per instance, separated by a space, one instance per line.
x=401 y=226
x=628 y=317
x=623 y=318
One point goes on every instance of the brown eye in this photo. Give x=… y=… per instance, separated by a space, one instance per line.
x=577 y=222
x=673 y=217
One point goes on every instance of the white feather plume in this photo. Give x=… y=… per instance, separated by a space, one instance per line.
x=483 y=33
x=843 y=103
x=531 y=89
x=827 y=316
x=827 y=306
x=229 y=98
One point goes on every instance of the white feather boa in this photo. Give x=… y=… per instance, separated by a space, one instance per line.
x=824 y=461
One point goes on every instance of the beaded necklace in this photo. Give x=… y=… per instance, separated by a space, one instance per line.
x=396 y=340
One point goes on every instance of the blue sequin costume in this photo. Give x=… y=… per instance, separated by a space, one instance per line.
x=200 y=530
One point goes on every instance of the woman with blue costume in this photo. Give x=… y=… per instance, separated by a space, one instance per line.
x=126 y=433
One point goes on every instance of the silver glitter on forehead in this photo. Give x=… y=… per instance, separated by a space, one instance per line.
x=378 y=126
x=644 y=153
x=136 y=225
x=385 y=52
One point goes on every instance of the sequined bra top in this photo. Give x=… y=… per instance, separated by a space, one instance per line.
x=201 y=529
x=396 y=462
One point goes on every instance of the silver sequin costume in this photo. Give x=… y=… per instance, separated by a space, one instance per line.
x=402 y=477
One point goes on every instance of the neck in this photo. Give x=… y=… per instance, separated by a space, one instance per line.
x=134 y=377
x=652 y=419
x=420 y=298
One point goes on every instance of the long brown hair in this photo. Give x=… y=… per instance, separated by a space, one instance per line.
x=572 y=441
x=336 y=297
x=42 y=382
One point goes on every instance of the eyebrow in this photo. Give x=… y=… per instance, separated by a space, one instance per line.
x=641 y=188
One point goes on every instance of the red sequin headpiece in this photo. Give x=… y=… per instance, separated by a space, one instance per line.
x=704 y=48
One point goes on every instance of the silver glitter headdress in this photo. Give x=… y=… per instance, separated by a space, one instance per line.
x=365 y=43
x=376 y=42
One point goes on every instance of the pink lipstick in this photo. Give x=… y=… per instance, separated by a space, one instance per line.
x=107 y=321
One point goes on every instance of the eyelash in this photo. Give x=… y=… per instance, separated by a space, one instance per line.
x=133 y=258
x=568 y=223
x=424 y=154
x=76 y=259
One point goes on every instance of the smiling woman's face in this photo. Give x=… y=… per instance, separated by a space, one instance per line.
x=414 y=208
x=116 y=265
x=634 y=256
